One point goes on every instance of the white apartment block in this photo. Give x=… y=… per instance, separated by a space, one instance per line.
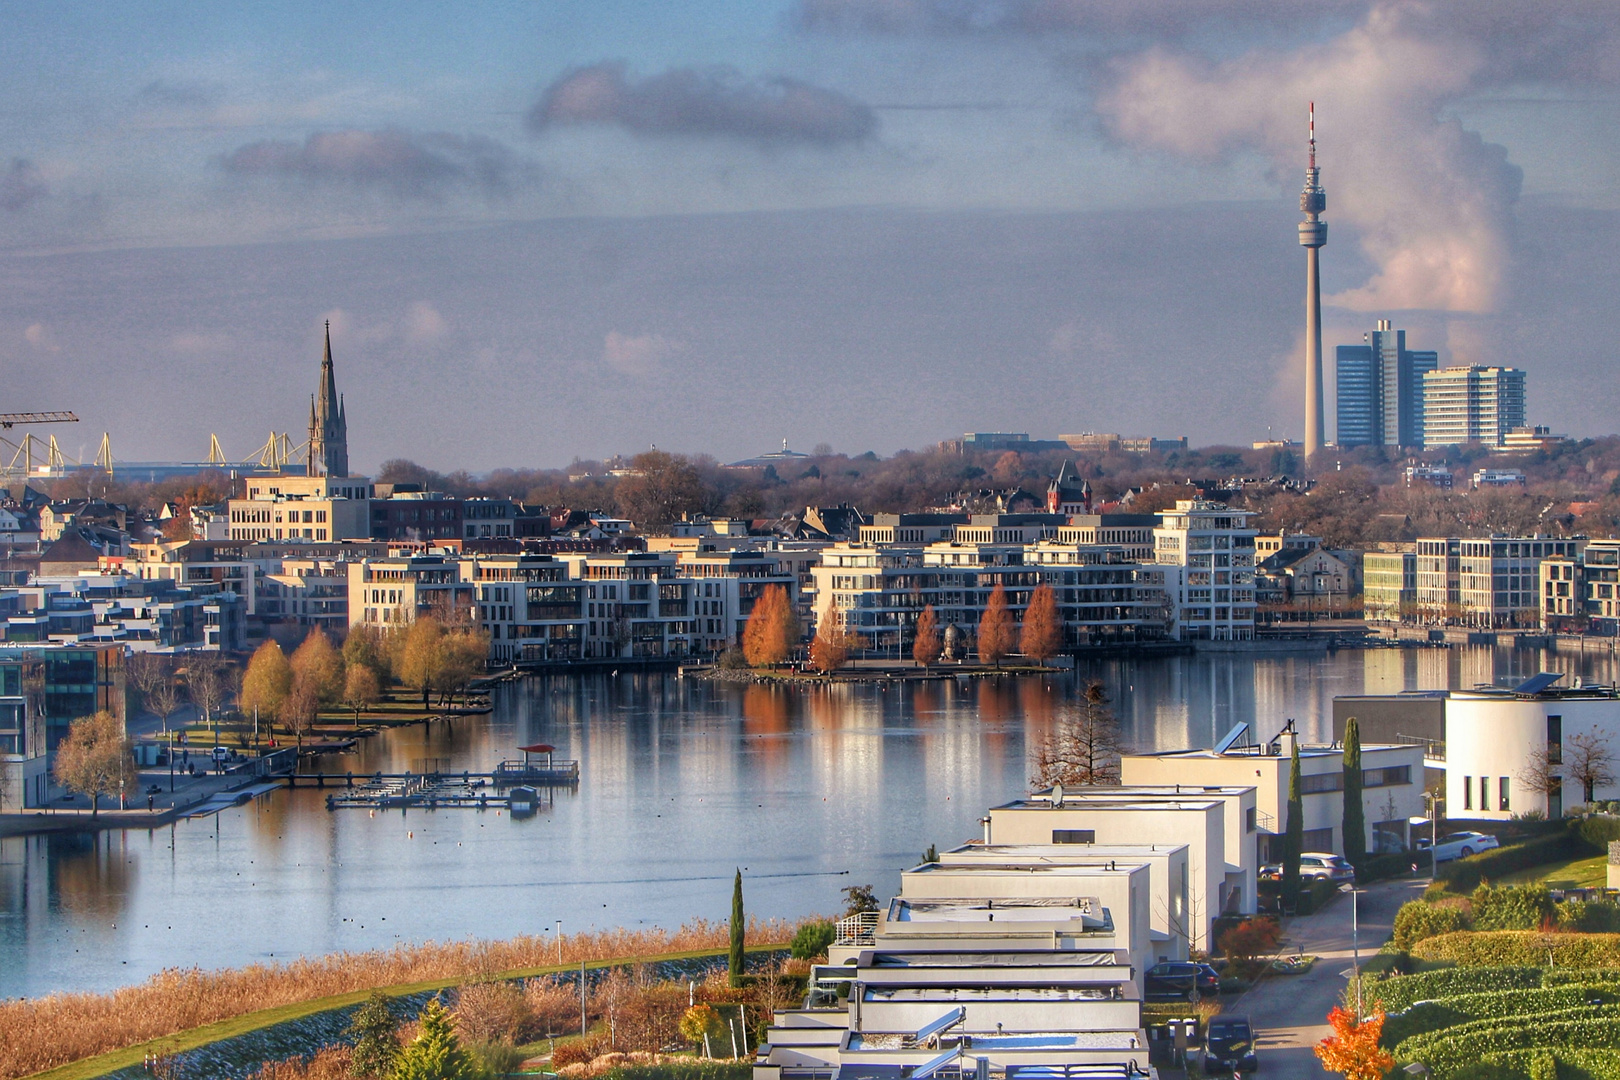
x=1471 y=405
x=1214 y=547
x=1488 y=583
x=309 y=508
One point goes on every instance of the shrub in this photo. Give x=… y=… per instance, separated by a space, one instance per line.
x=1426 y=1016
x=1445 y=1052
x=491 y=1011
x=1464 y=875
x=578 y=1051
x=1390 y=864
x=1522 y=948
x=1580 y=976
x=1598 y=830
x=1251 y=938
x=1491 y=1070
x=812 y=940
x=1509 y=907
x=1403 y=991
x=1417 y=921
x=1589 y=916
x=495 y=1059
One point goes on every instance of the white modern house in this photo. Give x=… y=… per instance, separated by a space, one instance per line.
x=1216 y=824
x=1391 y=787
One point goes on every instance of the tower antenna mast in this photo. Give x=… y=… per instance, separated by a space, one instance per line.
x=1312 y=236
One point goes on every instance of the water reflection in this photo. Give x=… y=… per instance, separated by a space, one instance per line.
x=806 y=789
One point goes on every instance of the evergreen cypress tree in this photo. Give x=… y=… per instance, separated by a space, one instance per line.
x=376 y=1046
x=735 y=963
x=1293 y=836
x=436 y=1054
x=1355 y=817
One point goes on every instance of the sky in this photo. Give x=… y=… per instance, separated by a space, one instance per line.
x=543 y=232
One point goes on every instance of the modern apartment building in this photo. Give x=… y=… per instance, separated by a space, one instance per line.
x=311 y=508
x=1389 y=583
x=1579 y=592
x=1213 y=546
x=1487 y=583
x=1471 y=405
x=1380 y=390
x=44 y=687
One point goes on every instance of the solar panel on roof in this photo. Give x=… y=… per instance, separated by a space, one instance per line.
x=1538 y=683
x=1240 y=729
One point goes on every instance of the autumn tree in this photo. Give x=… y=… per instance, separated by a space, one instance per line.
x=463 y=655
x=420 y=656
x=1085 y=746
x=367 y=646
x=1042 y=635
x=319 y=665
x=772 y=631
x=829 y=649
x=995 y=628
x=360 y=689
x=94 y=759
x=927 y=645
x=1353 y=1048
x=267 y=681
x=300 y=707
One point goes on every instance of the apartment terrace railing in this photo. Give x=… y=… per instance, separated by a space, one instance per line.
x=857 y=929
x=1433 y=749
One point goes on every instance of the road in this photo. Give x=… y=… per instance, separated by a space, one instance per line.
x=1289 y=1012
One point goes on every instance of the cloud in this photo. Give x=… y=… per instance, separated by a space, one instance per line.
x=1431 y=203
x=644 y=354
x=166 y=94
x=21 y=185
x=695 y=102
x=1162 y=18
x=405 y=164
x=200 y=342
x=424 y=324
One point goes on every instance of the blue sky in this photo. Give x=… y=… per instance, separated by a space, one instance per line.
x=548 y=230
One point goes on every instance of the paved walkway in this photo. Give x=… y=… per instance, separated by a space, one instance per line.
x=1289 y=1012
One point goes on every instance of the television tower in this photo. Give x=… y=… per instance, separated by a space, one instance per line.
x=1312 y=236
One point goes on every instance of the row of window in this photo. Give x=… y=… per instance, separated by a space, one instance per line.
x=1503 y=793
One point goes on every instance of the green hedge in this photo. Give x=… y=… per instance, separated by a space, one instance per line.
x=1511 y=907
x=1391 y=864
x=1464 y=875
x=1589 y=916
x=1578 y=976
x=1435 y=1015
x=1418 y=921
x=1598 y=830
x=1404 y=991
x=1446 y=1052
x=1571 y=1065
x=1521 y=948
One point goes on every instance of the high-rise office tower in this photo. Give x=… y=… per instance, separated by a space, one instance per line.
x=1312 y=236
x=1379 y=389
x=1471 y=405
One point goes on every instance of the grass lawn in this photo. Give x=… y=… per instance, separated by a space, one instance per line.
x=1588 y=872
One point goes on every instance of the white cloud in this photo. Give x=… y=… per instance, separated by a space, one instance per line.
x=643 y=354
x=424 y=324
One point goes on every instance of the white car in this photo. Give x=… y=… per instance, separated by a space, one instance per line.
x=1460 y=845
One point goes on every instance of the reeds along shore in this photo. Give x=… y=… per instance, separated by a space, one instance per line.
x=41 y=1033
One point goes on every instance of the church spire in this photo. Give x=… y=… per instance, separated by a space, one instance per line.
x=328 y=427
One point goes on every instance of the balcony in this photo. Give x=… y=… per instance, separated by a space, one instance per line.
x=858 y=929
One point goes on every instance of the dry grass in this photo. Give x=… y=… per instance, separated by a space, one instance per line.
x=42 y=1033
x=332 y=1063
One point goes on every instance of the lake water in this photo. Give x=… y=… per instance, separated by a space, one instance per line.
x=682 y=782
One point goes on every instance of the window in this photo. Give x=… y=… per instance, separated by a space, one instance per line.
x=1316 y=783
x=1555 y=740
x=1317 y=840
x=1248 y=819
x=1484 y=793
x=1502 y=794
x=1386 y=777
x=1074 y=836
x=1468 y=793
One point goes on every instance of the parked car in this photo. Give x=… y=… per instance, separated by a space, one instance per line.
x=1314 y=864
x=1229 y=1045
x=1177 y=980
x=1459 y=845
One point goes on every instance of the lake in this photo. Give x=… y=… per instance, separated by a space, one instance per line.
x=683 y=781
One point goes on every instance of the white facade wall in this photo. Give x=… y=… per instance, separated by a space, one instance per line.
x=1492 y=739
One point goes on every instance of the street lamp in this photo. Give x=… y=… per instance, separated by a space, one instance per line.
x=1355 y=943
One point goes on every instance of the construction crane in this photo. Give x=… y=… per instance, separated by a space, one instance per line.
x=10 y=418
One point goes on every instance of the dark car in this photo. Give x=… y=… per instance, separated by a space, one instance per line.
x=1179 y=980
x=1229 y=1045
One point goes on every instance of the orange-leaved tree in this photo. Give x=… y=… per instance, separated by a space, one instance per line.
x=772 y=630
x=995 y=628
x=268 y=681
x=928 y=645
x=1042 y=635
x=829 y=650
x=1353 y=1047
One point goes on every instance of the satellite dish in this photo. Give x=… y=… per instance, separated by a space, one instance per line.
x=1057 y=796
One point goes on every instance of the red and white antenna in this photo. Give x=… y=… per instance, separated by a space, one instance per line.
x=1313 y=134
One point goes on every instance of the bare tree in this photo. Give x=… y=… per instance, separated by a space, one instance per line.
x=211 y=681
x=164 y=697
x=1085 y=747
x=146 y=672
x=1542 y=776
x=1589 y=763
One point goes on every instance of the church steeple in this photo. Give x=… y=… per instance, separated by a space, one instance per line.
x=328 y=426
